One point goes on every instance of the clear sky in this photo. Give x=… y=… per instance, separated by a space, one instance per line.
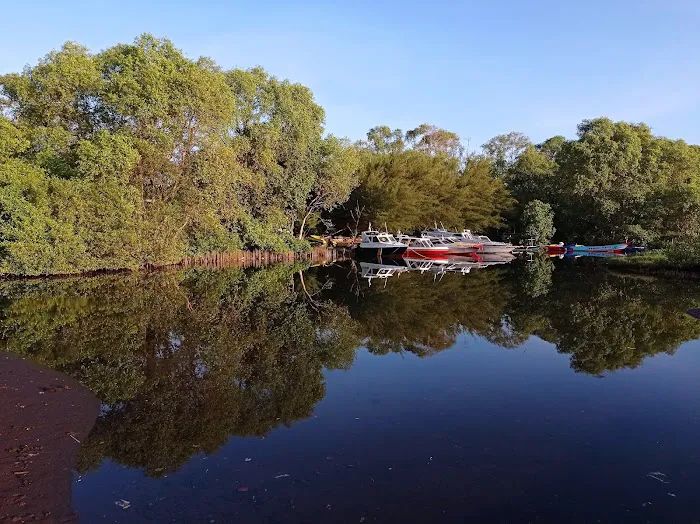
x=476 y=68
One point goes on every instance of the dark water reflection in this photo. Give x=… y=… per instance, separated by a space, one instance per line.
x=508 y=420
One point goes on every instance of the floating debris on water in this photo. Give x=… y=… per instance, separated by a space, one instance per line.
x=657 y=475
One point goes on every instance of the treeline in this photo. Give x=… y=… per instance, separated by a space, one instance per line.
x=615 y=181
x=414 y=180
x=140 y=156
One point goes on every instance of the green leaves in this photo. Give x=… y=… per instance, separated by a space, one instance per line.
x=414 y=189
x=106 y=156
x=616 y=181
x=148 y=155
x=537 y=223
x=12 y=140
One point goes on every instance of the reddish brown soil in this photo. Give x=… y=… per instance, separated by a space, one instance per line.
x=43 y=416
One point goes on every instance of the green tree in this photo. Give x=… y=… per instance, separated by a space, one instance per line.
x=432 y=140
x=138 y=155
x=537 y=223
x=336 y=177
x=417 y=187
x=384 y=140
x=504 y=150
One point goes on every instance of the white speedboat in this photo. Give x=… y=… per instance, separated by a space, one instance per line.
x=466 y=236
x=457 y=247
x=423 y=247
x=377 y=244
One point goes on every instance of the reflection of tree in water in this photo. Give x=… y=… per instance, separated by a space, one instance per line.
x=184 y=360
x=608 y=322
x=417 y=313
x=537 y=276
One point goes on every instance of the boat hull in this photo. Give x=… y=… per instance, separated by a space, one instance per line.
x=374 y=252
x=504 y=249
x=555 y=249
x=425 y=252
x=597 y=249
x=464 y=250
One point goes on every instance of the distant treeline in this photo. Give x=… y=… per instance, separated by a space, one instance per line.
x=615 y=181
x=138 y=155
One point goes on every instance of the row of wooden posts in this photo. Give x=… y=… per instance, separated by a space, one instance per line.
x=320 y=255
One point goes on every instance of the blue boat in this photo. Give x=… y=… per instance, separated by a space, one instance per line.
x=610 y=248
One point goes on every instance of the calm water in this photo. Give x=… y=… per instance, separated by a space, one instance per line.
x=514 y=393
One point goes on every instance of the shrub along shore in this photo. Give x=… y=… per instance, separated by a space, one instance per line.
x=139 y=156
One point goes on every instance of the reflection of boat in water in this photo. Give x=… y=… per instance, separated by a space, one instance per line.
x=374 y=270
x=422 y=265
x=385 y=267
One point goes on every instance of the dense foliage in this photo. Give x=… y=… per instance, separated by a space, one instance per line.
x=416 y=180
x=536 y=223
x=138 y=155
x=615 y=181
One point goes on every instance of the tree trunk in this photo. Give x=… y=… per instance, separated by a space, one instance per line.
x=303 y=223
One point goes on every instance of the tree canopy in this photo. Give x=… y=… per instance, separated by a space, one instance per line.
x=139 y=155
x=615 y=181
x=414 y=181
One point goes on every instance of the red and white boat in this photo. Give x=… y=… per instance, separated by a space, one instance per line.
x=456 y=247
x=422 y=248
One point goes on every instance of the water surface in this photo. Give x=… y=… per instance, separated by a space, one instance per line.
x=512 y=393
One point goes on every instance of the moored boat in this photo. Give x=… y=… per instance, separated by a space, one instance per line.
x=377 y=244
x=556 y=249
x=576 y=248
x=467 y=237
x=419 y=247
x=455 y=247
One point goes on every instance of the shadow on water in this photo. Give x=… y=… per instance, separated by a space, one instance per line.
x=182 y=361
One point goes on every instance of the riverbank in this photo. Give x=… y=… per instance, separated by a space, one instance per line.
x=242 y=258
x=655 y=263
x=44 y=417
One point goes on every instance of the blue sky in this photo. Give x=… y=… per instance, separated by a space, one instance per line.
x=478 y=69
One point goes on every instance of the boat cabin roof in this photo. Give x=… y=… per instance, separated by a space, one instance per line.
x=377 y=236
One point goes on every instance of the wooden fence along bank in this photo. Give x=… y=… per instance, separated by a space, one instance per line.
x=317 y=255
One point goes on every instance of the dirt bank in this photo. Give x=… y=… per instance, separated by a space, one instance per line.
x=43 y=417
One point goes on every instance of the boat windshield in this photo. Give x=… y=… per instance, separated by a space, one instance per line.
x=386 y=239
x=421 y=242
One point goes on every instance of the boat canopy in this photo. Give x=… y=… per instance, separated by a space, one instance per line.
x=377 y=236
